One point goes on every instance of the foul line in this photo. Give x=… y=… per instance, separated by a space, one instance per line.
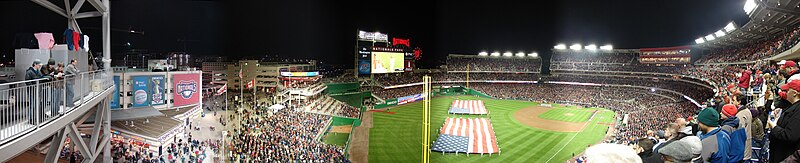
x=570 y=140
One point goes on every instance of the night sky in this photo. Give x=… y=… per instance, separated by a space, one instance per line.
x=326 y=30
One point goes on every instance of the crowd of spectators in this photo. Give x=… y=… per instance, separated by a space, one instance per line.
x=756 y=51
x=496 y=64
x=284 y=136
x=623 y=99
x=179 y=150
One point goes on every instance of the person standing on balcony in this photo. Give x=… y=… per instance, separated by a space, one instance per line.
x=72 y=73
x=33 y=73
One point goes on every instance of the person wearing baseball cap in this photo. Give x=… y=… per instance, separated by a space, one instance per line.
x=716 y=142
x=791 y=68
x=33 y=73
x=785 y=135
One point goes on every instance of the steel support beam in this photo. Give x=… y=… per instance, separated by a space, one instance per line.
x=106 y=34
x=77 y=7
x=77 y=140
x=52 y=7
x=88 y=14
x=55 y=146
x=107 y=127
x=100 y=6
x=98 y=119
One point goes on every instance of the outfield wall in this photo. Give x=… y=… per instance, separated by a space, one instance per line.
x=336 y=88
x=454 y=91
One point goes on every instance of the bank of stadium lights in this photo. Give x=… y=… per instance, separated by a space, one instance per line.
x=560 y=47
x=710 y=37
x=749 y=6
x=495 y=54
x=575 y=47
x=699 y=40
x=534 y=54
x=730 y=27
x=606 y=47
x=508 y=54
x=483 y=54
x=719 y=33
x=590 y=47
x=520 y=54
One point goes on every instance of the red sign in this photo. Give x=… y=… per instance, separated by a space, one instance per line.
x=417 y=53
x=186 y=89
x=400 y=41
x=409 y=65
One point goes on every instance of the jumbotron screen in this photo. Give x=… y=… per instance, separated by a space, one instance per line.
x=387 y=62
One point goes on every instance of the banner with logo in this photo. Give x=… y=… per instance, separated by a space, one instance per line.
x=315 y=73
x=141 y=96
x=157 y=90
x=186 y=89
x=409 y=99
x=115 y=96
x=364 y=67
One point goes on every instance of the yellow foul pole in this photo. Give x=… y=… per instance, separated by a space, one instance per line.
x=426 y=87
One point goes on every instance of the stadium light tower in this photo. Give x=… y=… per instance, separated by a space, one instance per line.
x=606 y=47
x=710 y=37
x=520 y=54
x=699 y=40
x=730 y=27
x=575 y=47
x=508 y=54
x=591 y=47
x=560 y=47
x=483 y=54
x=534 y=55
x=495 y=54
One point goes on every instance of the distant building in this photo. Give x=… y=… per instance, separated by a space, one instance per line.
x=215 y=73
x=265 y=74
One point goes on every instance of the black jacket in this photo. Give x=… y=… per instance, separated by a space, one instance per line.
x=785 y=138
x=650 y=157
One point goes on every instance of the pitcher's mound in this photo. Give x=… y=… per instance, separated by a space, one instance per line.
x=530 y=116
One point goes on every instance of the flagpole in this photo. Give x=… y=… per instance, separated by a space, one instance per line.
x=241 y=86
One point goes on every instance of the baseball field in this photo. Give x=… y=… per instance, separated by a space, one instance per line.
x=526 y=131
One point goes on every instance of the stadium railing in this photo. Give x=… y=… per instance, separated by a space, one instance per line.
x=30 y=104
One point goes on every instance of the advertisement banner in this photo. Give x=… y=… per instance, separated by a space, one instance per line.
x=363 y=67
x=409 y=65
x=157 y=90
x=140 y=93
x=409 y=99
x=364 y=52
x=115 y=96
x=315 y=73
x=186 y=89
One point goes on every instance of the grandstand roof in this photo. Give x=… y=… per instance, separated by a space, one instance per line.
x=768 y=19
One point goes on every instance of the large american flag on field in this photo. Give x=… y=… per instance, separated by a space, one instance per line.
x=465 y=135
x=468 y=107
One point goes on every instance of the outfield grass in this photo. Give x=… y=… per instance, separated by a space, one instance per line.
x=396 y=137
x=339 y=139
x=568 y=114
